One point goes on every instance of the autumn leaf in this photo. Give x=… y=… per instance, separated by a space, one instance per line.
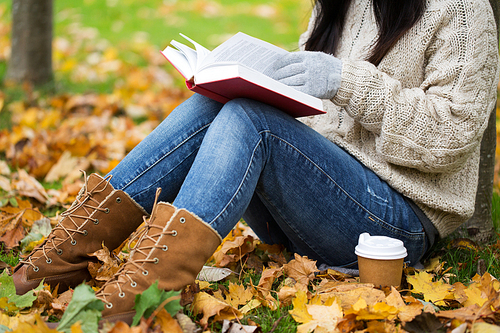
x=301 y=269
x=30 y=187
x=37 y=325
x=481 y=289
x=209 y=306
x=108 y=267
x=316 y=316
x=167 y=323
x=432 y=291
x=233 y=251
x=213 y=274
x=406 y=312
x=8 y=292
x=299 y=312
x=238 y=294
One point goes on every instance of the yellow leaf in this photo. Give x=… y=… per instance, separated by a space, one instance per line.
x=253 y=304
x=287 y=293
x=76 y=328
x=481 y=289
x=432 y=291
x=474 y=296
x=203 y=284
x=359 y=305
x=406 y=311
x=299 y=311
x=238 y=294
x=485 y=328
x=324 y=317
x=210 y=306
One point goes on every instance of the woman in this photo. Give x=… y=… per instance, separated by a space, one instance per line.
x=408 y=87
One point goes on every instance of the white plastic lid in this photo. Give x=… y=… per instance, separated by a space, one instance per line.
x=380 y=247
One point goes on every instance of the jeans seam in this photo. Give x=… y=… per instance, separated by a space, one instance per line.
x=163 y=157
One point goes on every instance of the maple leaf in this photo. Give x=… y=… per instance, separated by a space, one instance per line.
x=432 y=291
x=238 y=294
x=406 y=312
x=265 y=285
x=210 y=306
x=316 y=316
x=299 y=312
x=301 y=269
x=233 y=250
x=107 y=269
x=481 y=290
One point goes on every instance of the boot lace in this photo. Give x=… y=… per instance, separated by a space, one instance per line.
x=134 y=265
x=82 y=201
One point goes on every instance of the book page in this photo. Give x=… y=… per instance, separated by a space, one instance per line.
x=249 y=51
x=179 y=61
x=201 y=51
x=188 y=52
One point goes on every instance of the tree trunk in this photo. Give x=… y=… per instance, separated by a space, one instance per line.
x=480 y=226
x=31 y=56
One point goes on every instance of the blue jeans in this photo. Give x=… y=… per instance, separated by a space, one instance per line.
x=289 y=183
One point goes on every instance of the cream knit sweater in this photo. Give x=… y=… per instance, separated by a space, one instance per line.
x=417 y=119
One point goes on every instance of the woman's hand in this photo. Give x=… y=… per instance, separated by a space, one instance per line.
x=314 y=73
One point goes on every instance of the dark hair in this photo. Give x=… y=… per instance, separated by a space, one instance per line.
x=394 y=18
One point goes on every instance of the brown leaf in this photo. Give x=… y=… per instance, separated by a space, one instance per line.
x=43 y=300
x=301 y=269
x=233 y=251
x=62 y=301
x=13 y=236
x=108 y=268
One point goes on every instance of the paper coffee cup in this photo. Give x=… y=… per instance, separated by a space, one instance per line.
x=380 y=260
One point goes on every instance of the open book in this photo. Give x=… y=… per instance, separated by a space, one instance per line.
x=237 y=68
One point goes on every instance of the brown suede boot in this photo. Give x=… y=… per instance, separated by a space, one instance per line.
x=172 y=249
x=99 y=215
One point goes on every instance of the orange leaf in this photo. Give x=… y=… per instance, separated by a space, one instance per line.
x=167 y=323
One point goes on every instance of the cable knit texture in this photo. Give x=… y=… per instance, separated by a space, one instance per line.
x=417 y=118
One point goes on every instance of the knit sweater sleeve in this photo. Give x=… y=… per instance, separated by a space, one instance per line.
x=433 y=127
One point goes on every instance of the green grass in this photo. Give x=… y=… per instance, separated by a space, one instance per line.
x=10 y=257
x=160 y=21
x=464 y=263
